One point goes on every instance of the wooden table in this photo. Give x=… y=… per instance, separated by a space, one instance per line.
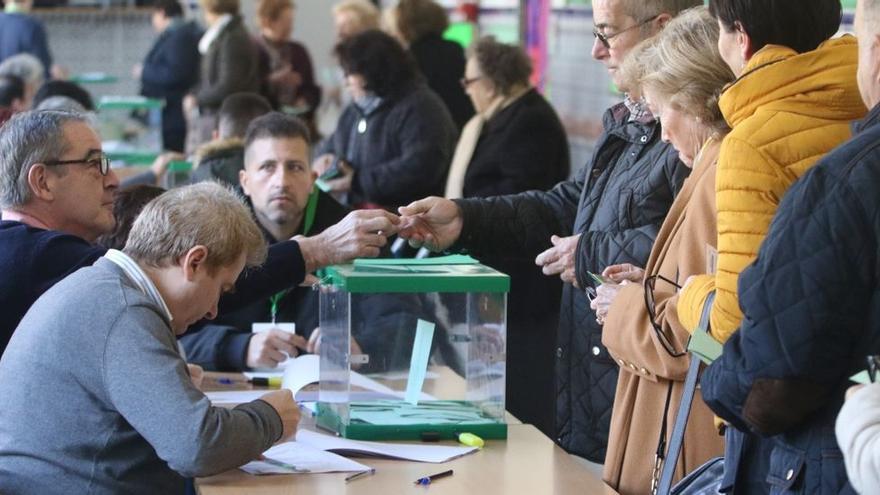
x=526 y=463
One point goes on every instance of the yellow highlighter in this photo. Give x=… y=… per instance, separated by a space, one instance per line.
x=471 y=440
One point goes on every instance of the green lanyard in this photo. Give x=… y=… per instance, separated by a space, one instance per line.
x=308 y=221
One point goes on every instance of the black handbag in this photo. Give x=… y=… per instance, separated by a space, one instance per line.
x=706 y=479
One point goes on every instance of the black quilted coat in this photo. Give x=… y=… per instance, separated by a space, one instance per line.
x=617 y=203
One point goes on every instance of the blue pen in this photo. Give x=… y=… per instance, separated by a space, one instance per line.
x=428 y=479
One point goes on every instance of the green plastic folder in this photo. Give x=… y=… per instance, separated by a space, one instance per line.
x=453 y=259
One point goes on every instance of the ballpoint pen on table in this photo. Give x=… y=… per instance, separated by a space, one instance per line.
x=284 y=465
x=428 y=479
x=358 y=475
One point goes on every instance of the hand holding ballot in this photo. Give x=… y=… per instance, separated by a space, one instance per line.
x=624 y=271
x=605 y=295
x=361 y=234
x=283 y=403
x=434 y=223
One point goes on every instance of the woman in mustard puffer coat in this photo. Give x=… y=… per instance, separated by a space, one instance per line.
x=789 y=106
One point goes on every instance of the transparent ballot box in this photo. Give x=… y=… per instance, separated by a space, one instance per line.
x=413 y=349
x=131 y=128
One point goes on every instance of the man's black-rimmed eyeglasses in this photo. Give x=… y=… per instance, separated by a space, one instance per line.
x=605 y=39
x=652 y=313
x=99 y=161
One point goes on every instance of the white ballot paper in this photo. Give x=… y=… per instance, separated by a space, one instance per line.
x=299 y=458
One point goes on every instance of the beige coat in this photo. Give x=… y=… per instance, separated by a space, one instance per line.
x=681 y=250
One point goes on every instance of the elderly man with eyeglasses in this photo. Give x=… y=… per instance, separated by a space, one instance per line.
x=609 y=213
x=56 y=198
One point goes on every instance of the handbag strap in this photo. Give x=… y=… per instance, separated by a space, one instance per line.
x=684 y=409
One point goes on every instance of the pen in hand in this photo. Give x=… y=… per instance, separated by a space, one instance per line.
x=428 y=479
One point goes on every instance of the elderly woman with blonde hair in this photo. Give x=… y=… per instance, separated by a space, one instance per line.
x=680 y=74
x=352 y=17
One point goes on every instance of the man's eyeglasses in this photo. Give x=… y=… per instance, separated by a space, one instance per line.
x=873 y=368
x=665 y=341
x=465 y=82
x=605 y=39
x=99 y=161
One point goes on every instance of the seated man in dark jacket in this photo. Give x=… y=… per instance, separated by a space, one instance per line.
x=171 y=68
x=279 y=183
x=811 y=313
x=51 y=221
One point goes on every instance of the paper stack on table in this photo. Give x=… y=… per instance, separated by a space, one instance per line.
x=304 y=458
x=402 y=451
x=314 y=452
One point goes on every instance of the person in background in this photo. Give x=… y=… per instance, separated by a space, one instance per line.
x=352 y=17
x=132 y=420
x=230 y=64
x=609 y=213
x=27 y=68
x=681 y=75
x=23 y=33
x=222 y=159
x=419 y=25
x=515 y=143
x=64 y=88
x=858 y=433
x=56 y=199
x=292 y=78
x=810 y=314
x=171 y=68
x=393 y=143
x=11 y=97
x=127 y=204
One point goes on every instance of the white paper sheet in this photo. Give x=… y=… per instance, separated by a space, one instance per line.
x=301 y=371
x=305 y=458
x=402 y=451
x=305 y=370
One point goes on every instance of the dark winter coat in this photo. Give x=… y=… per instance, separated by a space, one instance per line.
x=442 y=63
x=170 y=71
x=404 y=151
x=617 y=203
